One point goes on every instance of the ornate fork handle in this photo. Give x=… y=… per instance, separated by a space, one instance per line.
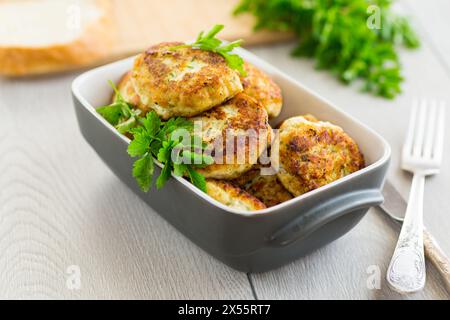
x=406 y=272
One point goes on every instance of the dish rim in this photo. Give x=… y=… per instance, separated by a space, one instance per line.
x=248 y=56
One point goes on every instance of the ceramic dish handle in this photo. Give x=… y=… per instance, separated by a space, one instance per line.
x=319 y=216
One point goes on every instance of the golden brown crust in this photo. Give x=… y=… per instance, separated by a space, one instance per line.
x=183 y=82
x=232 y=196
x=313 y=154
x=242 y=117
x=127 y=91
x=266 y=188
x=260 y=86
x=94 y=44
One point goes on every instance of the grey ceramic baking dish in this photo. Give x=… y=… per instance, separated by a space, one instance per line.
x=250 y=242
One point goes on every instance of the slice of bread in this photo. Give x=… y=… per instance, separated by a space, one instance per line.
x=41 y=36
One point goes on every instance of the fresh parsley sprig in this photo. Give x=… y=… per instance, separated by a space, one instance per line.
x=167 y=143
x=209 y=42
x=337 y=35
x=120 y=113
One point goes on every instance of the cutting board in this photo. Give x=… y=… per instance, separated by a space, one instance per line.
x=131 y=26
x=141 y=23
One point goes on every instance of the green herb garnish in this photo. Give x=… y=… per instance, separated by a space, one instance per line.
x=338 y=36
x=120 y=113
x=161 y=140
x=209 y=42
x=167 y=143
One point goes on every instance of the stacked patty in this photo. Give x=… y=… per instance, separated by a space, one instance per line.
x=183 y=82
x=266 y=188
x=233 y=113
x=230 y=130
x=260 y=86
x=232 y=196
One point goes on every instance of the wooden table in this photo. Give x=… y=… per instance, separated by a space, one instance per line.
x=60 y=206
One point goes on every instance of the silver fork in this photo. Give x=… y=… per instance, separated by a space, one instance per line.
x=422 y=156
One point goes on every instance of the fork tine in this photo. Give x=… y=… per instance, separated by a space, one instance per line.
x=430 y=131
x=439 y=143
x=420 y=129
x=407 y=147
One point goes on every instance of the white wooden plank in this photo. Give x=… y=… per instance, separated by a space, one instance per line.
x=61 y=206
x=433 y=24
x=342 y=269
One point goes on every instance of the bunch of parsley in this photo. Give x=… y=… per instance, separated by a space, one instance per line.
x=164 y=141
x=337 y=35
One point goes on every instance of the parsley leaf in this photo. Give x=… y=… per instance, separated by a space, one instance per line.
x=197 y=179
x=120 y=113
x=152 y=123
x=140 y=144
x=337 y=35
x=126 y=125
x=209 y=42
x=179 y=169
x=164 y=153
x=143 y=169
x=111 y=113
x=164 y=176
x=195 y=158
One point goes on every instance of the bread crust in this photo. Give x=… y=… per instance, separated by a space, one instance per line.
x=93 y=44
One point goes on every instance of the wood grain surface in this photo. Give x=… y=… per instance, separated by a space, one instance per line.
x=438 y=257
x=180 y=20
x=60 y=206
